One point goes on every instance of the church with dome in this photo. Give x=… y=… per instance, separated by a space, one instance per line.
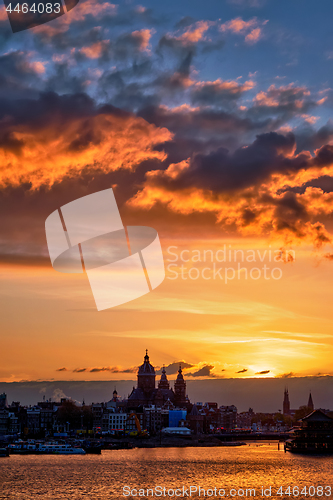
x=146 y=393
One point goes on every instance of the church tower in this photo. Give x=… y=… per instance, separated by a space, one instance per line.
x=180 y=389
x=164 y=383
x=146 y=375
x=286 y=403
x=310 y=402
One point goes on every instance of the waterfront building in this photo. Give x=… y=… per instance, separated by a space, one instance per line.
x=4 y=416
x=244 y=419
x=195 y=420
x=97 y=412
x=33 y=421
x=113 y=421
x=314 y=436
x=3 y=401
x=175 y=417
x=228 y=417
x=135 y=421
x=155 y=418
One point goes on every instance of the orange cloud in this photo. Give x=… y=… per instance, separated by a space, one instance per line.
x=195 y=32
x=263 y=208
x=231 y=86
x=95 y=50
x=251 y=29
x=282 y=96
x=42 y=153
x=237 y=25
x=253 y=36
x=143 y=38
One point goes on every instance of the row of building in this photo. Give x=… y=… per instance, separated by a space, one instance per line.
x=149 y=407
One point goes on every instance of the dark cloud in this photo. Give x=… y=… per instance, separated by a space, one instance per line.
x=242 y=371
x=285 y=102
x=287 y=375
x=114 y=369
x=62 y=369
x=222 y=171
x=264 y=372
x=18 y=71
x=80 y=370
x=218 y=93
x=309 y=139
x=173 y=368
x=205 y=371
x=206 y=128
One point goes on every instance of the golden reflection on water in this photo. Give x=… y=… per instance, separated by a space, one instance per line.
x=98 y=477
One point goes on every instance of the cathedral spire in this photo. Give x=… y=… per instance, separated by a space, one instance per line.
x=286 y=402
x=310 y=402
x=163 y=383
x=180 y=389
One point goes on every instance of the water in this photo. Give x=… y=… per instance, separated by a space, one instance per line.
x=102 y=477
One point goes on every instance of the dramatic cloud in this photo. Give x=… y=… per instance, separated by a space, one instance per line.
x=111 y=369
x=205 y=371
x=241 y=151
x=251 y=190
x=114 y=369
x=173 y=368
x=284 y=99
x=219 y=92
x=44 y=140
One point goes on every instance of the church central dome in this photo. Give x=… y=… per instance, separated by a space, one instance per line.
x=146 y=368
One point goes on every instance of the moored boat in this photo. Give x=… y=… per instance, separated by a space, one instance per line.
x=37 y=448
x=60 y=449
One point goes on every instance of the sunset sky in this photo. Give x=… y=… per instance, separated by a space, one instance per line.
x=212 y=123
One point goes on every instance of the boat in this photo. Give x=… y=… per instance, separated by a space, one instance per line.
x=36 y=448
x=314 y=436
x=60 y=449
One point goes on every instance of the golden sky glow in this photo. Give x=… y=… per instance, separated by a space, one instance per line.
x=259 y=325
